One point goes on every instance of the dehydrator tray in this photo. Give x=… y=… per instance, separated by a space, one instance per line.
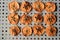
x=4 y=24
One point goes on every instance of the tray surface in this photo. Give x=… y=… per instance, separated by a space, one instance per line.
x=4 y=24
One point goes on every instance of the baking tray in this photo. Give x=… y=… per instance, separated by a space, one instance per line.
x=4 y=24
